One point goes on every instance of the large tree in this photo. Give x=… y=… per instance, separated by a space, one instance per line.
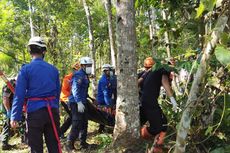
x=108 y=7
x=126 y=130
x=91 y=42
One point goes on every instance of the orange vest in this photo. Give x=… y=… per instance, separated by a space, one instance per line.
x=66 y=87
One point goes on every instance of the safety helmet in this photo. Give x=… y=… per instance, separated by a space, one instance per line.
x=149 y=62
x=106 y=67
x=86 y=60
x=38 y=41
x=76 y=66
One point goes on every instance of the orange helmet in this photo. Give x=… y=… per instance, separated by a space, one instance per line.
x=149 y=62
x=76 y=66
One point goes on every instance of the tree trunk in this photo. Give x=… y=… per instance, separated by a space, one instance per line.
x=166 y=35
x=126 y=131
x=111 y=32
x=31 y=21
x=52 y=44
x=91 y=44
x=152 y=30
x=194 y=92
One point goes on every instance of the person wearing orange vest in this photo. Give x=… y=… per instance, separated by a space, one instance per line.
x=64 y=98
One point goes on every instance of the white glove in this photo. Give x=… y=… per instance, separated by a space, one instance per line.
x=173 y=101
x=80 y=107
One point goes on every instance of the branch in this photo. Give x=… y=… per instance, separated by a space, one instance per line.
x=186 y=118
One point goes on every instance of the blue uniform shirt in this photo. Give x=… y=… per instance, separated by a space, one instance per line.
x=37 y=79
x=80 y=85
x=104 y=95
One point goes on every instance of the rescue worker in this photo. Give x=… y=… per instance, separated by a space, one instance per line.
x=78 y=104
x=104 y=95
x=7 y=99
x=39 y=82
x=65 y=93
x=150 y=110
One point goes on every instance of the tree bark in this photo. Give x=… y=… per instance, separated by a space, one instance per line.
x=111 y=32
x=126 y=131
x=152 y=30
x=185 y=121
x=91 y=44
x=166 y=35
x=31 y=20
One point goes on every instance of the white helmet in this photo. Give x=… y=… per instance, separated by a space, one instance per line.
x=86 y=60
x=37 y=41
x=106 y=67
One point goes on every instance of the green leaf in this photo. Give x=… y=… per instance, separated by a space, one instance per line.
x=225 y=39
x=209 y=130
x=222 y=55
x=209 y=5
x=200 y=10
x=218 y=150
x=205 y=5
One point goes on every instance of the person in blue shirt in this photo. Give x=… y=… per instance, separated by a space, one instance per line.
x=39 y=83
x=78 y=105
x=104 y=94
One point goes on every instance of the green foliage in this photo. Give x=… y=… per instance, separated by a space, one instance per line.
x=223 y=55
x=104 y=140
x=225 y=149
x=205 y=5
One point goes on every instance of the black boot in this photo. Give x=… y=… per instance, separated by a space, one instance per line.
x=70 y=146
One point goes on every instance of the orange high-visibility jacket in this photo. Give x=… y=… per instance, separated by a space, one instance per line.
x=66 y=87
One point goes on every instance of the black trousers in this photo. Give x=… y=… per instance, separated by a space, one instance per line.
x=39 y=124
x=67 y=123
x=79 y=124
x=155 y=117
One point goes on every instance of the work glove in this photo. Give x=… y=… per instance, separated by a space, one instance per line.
x=80 y=107
x=8 y=113
x=173 y=101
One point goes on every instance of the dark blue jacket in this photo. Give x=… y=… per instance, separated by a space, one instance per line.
x=80 y=85
x=37 y=79
x=104 y=95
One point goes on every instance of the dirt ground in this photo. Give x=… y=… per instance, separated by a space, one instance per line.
x=102 y=142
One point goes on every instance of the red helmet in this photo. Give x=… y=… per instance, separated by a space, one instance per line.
x=149 y=62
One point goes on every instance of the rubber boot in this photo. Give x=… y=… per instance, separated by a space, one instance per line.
x=70 y=146
x=158 y=142
x=145 y=133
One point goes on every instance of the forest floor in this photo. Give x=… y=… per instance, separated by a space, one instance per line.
x=102 y=141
